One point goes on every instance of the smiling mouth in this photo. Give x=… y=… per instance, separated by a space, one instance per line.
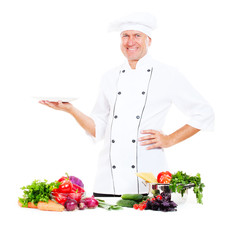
x=132 y=49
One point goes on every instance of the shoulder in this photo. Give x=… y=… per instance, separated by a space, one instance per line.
x=168 y=72
x=111 y=73
x=164 y=68
x=110 y=77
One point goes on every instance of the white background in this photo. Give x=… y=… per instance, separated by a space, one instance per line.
x=62 y=48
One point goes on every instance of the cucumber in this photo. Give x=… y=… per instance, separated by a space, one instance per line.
x=126 y=203
x=134 y=197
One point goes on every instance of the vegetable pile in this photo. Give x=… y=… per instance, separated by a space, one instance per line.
x=65 y=194
x=180 y=179
x=177 y=182
x=161 y=202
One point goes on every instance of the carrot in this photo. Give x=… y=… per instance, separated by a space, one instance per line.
x=50 y=206
x=30 y=204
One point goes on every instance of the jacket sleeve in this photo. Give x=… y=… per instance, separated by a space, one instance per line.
x=191 y=103
x=100 y=113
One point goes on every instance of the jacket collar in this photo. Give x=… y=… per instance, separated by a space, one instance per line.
x=144 y=63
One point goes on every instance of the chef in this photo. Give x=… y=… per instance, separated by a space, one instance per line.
x=131 y=108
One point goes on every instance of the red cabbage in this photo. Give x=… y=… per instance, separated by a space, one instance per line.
x=76 y=181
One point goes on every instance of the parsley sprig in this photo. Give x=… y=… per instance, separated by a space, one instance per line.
x=37 y=191
x=180 y=179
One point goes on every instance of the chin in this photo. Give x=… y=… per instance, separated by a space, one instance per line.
x=132 y=57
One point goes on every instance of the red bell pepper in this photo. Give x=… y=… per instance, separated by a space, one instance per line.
x=78 y=189
x=75 y=195
x=61 y=198
x=62 y=179
x=65 y=186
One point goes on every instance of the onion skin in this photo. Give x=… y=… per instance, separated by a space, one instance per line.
x=91 y=202
x=70 y=204
x=82 y=205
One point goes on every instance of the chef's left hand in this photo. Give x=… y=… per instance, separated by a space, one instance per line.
x=155 y=139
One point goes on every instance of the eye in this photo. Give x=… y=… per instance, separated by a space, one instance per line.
x=138 y=35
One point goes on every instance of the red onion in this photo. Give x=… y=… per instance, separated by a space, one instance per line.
x=91 y=202
x=70 y=204
x=81 y=205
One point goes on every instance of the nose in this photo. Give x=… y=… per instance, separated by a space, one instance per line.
x=131 y=41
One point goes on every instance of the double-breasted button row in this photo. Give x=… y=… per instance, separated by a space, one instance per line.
x=133 y=166
x=148 y=70
x=133 y=141
x=143 y=93
x=116 y=116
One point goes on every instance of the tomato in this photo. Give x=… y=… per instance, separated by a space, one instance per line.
x=142 y=206
x=61 y=198
x=75 y=195
x=65 y=186
x=159 y=197
x=135 y=206
x=164 y=177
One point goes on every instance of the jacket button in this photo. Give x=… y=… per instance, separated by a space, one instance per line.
x=137 y=117
x=113 y=166
x=133 y=166
x=119 y=93
x=133 y=140
x=123 y=71
x=115 y=116
x=148 y=70
x=113 y=141
x=143 y=93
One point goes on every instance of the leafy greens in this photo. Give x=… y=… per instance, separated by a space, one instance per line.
x=37 y=191
x=180 y=179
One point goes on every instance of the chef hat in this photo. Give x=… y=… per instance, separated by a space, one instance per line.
x=142 y=22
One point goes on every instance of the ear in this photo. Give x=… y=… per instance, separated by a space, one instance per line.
x=149 y=41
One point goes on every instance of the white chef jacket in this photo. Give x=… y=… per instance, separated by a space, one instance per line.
x=131 y=100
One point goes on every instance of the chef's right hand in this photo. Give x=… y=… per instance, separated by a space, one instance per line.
x=67 y=107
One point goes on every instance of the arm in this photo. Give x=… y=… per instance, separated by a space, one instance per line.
x=84 y=121
x=158 y=140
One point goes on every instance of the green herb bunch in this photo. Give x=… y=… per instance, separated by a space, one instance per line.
x=180 y=179
x=37 y=191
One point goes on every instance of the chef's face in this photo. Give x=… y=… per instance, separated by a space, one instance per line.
x=134 y=44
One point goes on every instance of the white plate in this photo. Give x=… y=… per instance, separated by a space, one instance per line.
x=56 y=99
